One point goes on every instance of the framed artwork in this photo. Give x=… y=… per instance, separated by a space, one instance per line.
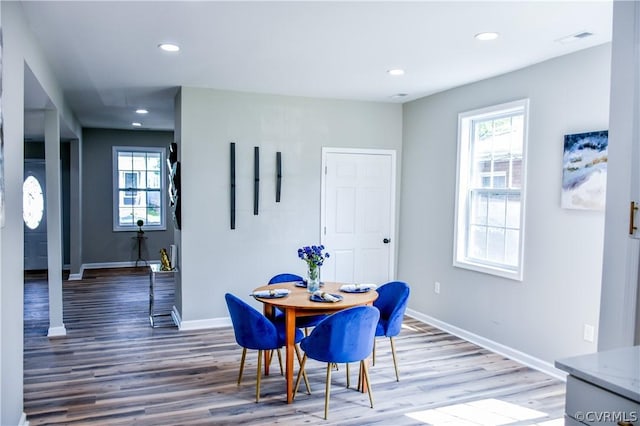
x=584 y=170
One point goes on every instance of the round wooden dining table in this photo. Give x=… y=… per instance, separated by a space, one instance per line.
x=298 y=304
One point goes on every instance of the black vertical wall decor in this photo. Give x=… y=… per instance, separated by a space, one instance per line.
x=256 y=178
x=278 y=175
x=232 y=184
x=174 y=184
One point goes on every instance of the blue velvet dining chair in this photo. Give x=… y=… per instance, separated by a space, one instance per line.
x=392 y=303
x=302 y=322
x=253 y=330
x=346 y=336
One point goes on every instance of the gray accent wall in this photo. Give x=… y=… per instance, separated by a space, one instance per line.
x=542 y=316
x=101 y=244
x=216 y=259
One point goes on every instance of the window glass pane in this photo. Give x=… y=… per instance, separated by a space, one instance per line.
x=153 y=199
x=495 y=245
x=129 y=179
x=32 y=202
x=479 y=202
x=153 y=180
x=477 y=246
x=139 y=161
x=125 y=216
x=516 y=173
x=497 y=206
x=140 y=214
x=125 y=161
x=154 y=161
x=517 y=135
x=512 y=242
x=153 y=207
x=130 y=198
x=513 y=211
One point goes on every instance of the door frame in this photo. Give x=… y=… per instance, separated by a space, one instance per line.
x=392 y=216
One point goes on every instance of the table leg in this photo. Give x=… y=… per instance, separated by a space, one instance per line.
x=268 y=312
x=290 y=324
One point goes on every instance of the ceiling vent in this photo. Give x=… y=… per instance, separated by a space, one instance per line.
x=574 y=37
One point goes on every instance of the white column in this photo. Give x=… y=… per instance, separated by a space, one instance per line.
x=54 y=221
x=75 y=210
x=618 y=302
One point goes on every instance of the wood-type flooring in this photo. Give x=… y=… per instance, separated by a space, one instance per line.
x=112 y=368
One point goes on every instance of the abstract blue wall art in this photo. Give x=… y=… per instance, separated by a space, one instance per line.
x=584 y=171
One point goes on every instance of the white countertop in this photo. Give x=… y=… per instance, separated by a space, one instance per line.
x=617 y=370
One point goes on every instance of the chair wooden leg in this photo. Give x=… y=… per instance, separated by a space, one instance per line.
x=304 y=373
x=259 y=373
x=366 y=377
x=327 y=392
x=300 y=373
x=280 y=362
x=348 y=384
x=395 y=363
x=373 y=356
x=244 y=355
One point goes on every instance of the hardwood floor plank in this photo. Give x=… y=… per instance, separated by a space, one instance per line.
x=112 y=368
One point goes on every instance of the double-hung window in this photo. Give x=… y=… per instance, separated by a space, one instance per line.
x=138 y=188
x=489 y=227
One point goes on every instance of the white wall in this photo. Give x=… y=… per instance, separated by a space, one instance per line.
x=216 y=259
x=543 y=315
x=19 y=48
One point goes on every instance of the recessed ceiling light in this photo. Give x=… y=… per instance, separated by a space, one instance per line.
x=395 y=71
x=141 y=111
x=399 y=95
x=486 y=36
x=136 y=124
x=169 y=47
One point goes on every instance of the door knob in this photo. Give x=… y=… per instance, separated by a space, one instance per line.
x=386 y=241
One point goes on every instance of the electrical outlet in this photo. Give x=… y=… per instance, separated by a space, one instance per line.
x=436 y=287
x=588 y=333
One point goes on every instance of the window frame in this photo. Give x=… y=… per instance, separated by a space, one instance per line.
x=117 y=227
x=464 y=190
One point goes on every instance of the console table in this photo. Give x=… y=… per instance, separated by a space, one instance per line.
x=155 y=269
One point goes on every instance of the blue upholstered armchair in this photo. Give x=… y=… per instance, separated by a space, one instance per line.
x=255 y=331
x=346 y=336
x=392 y=303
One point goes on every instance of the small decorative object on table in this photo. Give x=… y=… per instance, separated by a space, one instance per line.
x=315 y=258
x=165 y=264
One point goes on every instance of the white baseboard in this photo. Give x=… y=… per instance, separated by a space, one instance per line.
x=204 y=324
x=57 y=331
x=107 y=265
x=23 y=420
x=496 y=347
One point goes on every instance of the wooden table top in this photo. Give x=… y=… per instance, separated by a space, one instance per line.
x=299 y=298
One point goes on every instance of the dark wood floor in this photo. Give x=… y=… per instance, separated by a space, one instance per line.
x=113 y=369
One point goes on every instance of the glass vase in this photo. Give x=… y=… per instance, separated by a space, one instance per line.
x=313 y=278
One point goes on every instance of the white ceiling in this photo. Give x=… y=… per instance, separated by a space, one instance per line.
x=106 y=58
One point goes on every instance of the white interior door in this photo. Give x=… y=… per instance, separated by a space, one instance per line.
x=35 y=224
x=358 y=215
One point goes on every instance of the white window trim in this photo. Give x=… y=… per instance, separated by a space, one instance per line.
x=462 y=189
x=163 y=189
